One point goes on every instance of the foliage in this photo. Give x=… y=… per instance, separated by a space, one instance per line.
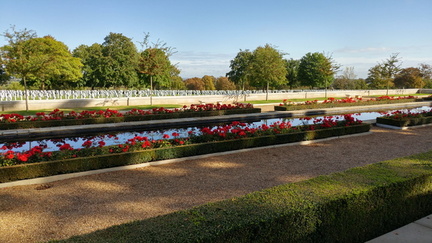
x=209 y=82
x=409 y=78
x=194 y=84
x=93 y=69
x=316 y=70
x=223 y=83
x=239 y=73
x=267 y=68
x=382 y=75
x=292 y=67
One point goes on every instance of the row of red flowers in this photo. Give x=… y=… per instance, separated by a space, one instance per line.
x=401 y=115
x=57 y=114
x=235 y=130
x=331 y=100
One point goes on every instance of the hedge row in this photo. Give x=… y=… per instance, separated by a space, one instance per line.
x=332 y=105
x=406 y=122
x=352 y=206
x=69 y=122
x=26 y=171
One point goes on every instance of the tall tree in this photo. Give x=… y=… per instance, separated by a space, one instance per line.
x=16 y=58
x=267 y=68
x=375 y=78
x=58 y=69
x=409 y=78
x=317 y=70
x=209 y=82
x=120 y=61
x=346 y=80
x=239 y=73
x=154 y=64
x=292 y=67
x=93 y=61
x=426 y=73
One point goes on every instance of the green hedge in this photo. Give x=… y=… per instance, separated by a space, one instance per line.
x=352 y=206
x=332 y=105
x=406 y=122
x=26 y=171
x=70 y=122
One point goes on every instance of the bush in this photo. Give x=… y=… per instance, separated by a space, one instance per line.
x=352 y=206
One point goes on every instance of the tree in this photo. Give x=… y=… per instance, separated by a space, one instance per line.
x=409 y=78
x=239 y=73
x=93 y=69
x=346 y=80
x=194 y=84
x=154 y=64
x=120 y=61
x=426 y=73
x=267 y=68
x=16 y=58
x=223 y=83
x=317 y=70
x=209 y=82
x=375 y=78
x=58 y=67
x=292 y=67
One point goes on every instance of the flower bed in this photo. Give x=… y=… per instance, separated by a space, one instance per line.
x=58 y=118
x=405 y=119
x=36 y=163
x=332 y=102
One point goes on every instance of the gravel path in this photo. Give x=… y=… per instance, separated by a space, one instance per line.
x=70 y=207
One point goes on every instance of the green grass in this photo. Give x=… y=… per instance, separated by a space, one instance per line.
x=122 y=108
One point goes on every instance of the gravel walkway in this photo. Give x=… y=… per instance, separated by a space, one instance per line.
x=70 y=207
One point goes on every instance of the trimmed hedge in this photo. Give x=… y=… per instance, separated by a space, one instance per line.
x=352 y=206
x=406 y=122
x=332 y=105
x=33 y=170
x=70 y=122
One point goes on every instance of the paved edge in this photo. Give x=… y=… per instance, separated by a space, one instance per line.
x=42 y=180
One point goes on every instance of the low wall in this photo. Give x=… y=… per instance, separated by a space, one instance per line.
x=187 y=100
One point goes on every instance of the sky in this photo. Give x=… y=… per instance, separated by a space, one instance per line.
x=207 y=35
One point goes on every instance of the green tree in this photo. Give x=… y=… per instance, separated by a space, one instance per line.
x=209 y=82
x=120 y=61
x=154 y=65
x=382 y=75
x=346 y=80
x=16 y=58
x=239 y=73
x=223 y=83
x=267 y=68
x=93 y=61
x=409 y=78
x=292 y=67
x=317 y=70
x=59 y=68
x=426 y=73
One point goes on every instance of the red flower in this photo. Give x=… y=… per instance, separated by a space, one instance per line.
x=166 y=136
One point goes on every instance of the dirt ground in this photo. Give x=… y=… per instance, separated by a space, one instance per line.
x=70 y=207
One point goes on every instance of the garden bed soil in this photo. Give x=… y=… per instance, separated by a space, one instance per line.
x=61 y=209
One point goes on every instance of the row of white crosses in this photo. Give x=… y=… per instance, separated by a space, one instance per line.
x=11 y=95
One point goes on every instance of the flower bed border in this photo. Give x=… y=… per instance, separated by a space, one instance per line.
x=406 y=122
x=333 y=105
x=356 y=205
x=34 y=170
x=71 y=122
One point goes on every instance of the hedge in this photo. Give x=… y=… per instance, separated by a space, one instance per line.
x=351 y=206
x=332 y=105
x=33 y=170
x=405 y=122
x=70 y=122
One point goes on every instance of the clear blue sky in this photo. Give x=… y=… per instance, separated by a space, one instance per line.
x=208 y=34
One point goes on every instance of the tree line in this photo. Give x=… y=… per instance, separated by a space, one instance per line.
x=46 y=63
